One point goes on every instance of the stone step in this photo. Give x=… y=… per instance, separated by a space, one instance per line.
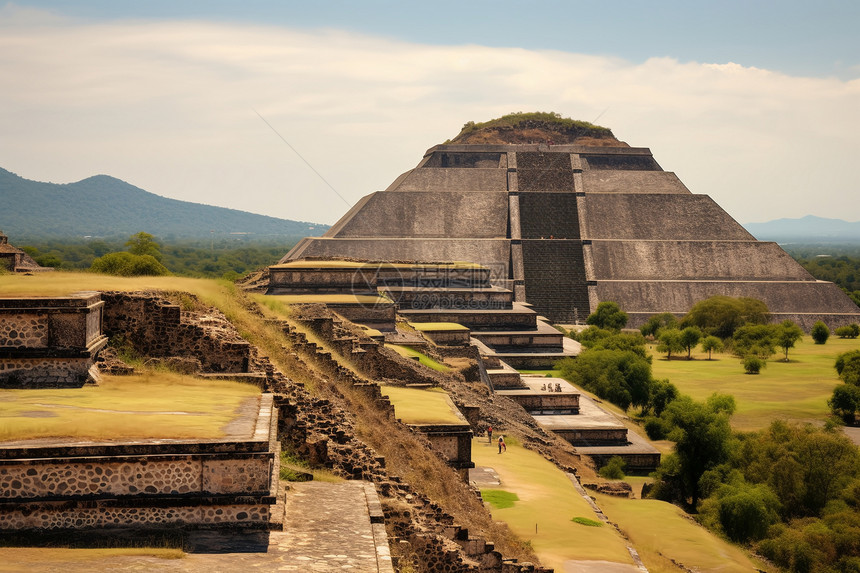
x=544 y=336
x=483 y=298
x=517 y=318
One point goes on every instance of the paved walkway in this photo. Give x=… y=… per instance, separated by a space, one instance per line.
x=329 y=527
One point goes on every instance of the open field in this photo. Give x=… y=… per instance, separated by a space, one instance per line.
x=421 y=406
x=547 y=504
x=797 y=390
x=152 y=405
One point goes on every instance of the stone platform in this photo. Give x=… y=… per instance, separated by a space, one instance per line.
x=599 y=434
x=66 y=484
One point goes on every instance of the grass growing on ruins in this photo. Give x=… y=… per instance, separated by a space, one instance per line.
x=662 y=532
x=409 y=352
x=499 y=498
x=797 y=390
x=431 y=326
x=548 y=503
x=421 y=406
x=155 y=404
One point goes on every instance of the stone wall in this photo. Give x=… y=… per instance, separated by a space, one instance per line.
x=555 y=279
x=545 y=215
x=24 y=330
x=452 y=179
x=425 y=214
x=692 y=260
x=46 y=372
x=133 y=475
x=102 y=514
x=158 y=328
x=657 y=217
x=619 y=162
x=602 y=181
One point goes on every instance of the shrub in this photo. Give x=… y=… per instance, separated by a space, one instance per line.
x=657 y=323
x=721 y=315
x=848 y=367
x=746 y=512
x=820 y=333
x=655 y=428
x=845 y=402
x=608 y=315
x=614 y=468
x=753 y=364
x=848 y=331
x=128 y=265
x=755 y=340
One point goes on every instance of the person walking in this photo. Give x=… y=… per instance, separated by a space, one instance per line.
x=490 y=434
x=502 y=446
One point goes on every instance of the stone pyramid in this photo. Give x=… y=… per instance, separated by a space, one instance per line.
x=568 y=225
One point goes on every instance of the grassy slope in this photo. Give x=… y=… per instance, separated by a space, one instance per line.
x=548 y=501
x=421 y=406
x=150 y=405
x=661 y=532
x=797 y=390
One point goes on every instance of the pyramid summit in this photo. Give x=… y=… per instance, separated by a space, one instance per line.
x=567 y=216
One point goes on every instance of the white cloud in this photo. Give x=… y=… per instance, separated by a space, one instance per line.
x=169 y=107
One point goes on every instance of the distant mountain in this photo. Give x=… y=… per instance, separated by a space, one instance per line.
x=103 y=206
x=808 y=229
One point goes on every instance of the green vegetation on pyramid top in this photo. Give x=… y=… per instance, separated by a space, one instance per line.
x=539 y=126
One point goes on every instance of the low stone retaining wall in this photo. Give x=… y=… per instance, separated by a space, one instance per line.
x=151 y=483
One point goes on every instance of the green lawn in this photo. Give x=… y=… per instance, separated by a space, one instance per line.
x=409 y=352
x=797 y=390
x=547 y=504
x=422 y=406
x=153 y=405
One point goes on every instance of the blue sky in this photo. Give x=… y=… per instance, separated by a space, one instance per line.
x=754 y=103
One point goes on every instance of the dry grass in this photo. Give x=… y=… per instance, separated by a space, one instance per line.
x=422 y=406
x=662 y=532
x=152 y=405
x=16 y=559
x=436 y=326
x=408 y=352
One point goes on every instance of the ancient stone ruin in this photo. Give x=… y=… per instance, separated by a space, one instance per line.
x=13 y=259
x=570 y=225
x=50 y=342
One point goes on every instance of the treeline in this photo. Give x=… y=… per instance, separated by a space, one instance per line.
x=790 y=492
x=205 y=259
x=843 y=270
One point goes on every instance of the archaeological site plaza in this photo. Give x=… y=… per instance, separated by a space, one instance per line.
x=430 y=312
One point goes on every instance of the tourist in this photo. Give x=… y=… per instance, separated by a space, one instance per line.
x=502 y=446
x=490 y=434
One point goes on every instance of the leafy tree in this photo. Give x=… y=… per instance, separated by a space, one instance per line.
x=712 y=343
x=787 y=334
x=848 y=367
x=753 y=364
x=755 y=340
x=128 y=265
x=744 y=511
x=721 y=315
x=820 y=333
x=690 y=337
x=845 y=402
x=669 y=342
x=658 y=322
x=633 y=342
x=591 y=335
x=663 y=393
x=621 y=376
x=702 y=439
x=143 y=243
x=614 y=468
x=608 y=315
